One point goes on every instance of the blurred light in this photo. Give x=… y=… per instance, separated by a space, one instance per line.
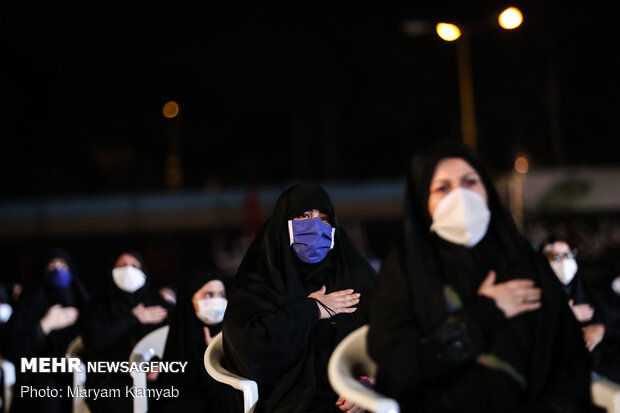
x=522 y=164
x=174 y=175
x=448 y=32
x=511 y=18
x=170 y=109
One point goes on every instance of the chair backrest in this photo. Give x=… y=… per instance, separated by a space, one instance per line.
x=8 y=379
x=213 y=364
x=349 y=359
x=79 y=378
x=151 y=345
x=606 y=394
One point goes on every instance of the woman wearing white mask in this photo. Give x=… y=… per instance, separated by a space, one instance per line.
x=592 y=309
x=197 y=319
x=129 y=308
x=467 y=317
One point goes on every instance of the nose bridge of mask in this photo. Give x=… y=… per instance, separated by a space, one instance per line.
x=128 y=278
x=565 y=269
x=462 y=217
x=452 y=205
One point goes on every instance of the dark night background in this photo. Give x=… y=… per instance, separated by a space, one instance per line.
x=329 y=91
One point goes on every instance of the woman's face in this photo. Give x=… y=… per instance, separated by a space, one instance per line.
x=313 y=213
x=452 y=173
x=128 y=260
x=212 y=289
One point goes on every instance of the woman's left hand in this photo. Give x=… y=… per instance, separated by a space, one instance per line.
x=593 y=334
x=346 y=406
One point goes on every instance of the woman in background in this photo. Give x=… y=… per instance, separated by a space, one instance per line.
x=129 y=308
x=196 y=320
x=467 y=316
x=43 y=324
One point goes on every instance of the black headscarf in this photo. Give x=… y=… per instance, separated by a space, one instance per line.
x=186 y=342
x=271 y=329
x=429 y=325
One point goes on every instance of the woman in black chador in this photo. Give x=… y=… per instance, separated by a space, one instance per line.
x=129 y=308
x=43 y=325
x=301 y=287
x=197 y=319
x=467 y=317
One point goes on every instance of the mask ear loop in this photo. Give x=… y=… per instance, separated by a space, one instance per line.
x=331 y=312
x=290 y=232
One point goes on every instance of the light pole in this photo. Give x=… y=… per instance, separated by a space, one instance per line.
x=509 y=19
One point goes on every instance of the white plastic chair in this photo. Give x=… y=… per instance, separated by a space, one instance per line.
x=79 y=379
x=350 y=356
x=606 y=394
x=213 y=364
x=8 y=374
x=151 y=345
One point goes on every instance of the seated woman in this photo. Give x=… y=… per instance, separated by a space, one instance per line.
x=43 y=324
x=129 y=308
x=467 y=316
x=197 y=319
x=595 y=315
x=300 y=289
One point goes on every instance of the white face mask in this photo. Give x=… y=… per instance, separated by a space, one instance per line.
x=211 y=310
x=615 y=285
x=5 y=312
x=128 y=278
x=565 y=269
x=462 y=217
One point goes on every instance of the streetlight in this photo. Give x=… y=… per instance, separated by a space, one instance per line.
x=509 y=19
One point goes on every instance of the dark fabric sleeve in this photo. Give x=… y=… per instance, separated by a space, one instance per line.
x=26 y=338
x=263 y=340
x=100 y=332
x=407 y=357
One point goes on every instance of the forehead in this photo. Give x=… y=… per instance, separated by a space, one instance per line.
x=449 y=168
x=57 y=261
x=559 y=246
x=128 y=259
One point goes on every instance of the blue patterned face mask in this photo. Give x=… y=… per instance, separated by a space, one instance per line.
x=311 y=239
x=59 y=278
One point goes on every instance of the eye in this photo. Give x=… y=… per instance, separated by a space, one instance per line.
x=324 y=219
x=305 y=215
x=209 y=295
x=442 y=188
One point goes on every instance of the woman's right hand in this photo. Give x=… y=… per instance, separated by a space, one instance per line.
x=513 y=297
x=150 y=315
x=58 y=317
x=338 y=301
